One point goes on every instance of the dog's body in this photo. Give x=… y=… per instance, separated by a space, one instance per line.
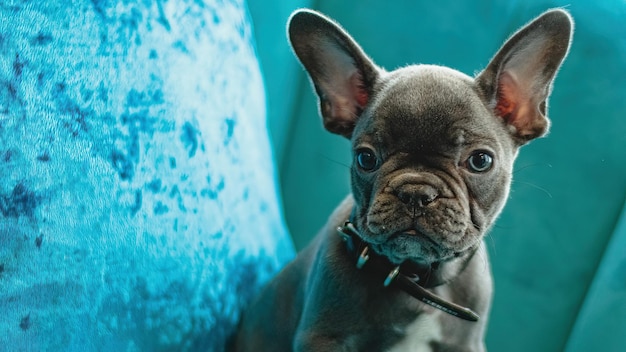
x=433 y=157
x=323 y=303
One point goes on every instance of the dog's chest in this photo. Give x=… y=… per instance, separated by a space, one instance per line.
x=419 y=335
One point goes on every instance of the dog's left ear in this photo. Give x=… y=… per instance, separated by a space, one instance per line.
x=343 y=76
x=518 y=80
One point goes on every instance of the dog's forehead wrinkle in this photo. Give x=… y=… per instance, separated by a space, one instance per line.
x=428 y=134
x=411 y=103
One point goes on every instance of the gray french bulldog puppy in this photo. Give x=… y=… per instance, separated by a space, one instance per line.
x=401 y=264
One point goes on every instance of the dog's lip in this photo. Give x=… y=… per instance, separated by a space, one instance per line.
x=414 y=233
x=411 y=232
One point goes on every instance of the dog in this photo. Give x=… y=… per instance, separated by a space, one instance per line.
x=401 y=264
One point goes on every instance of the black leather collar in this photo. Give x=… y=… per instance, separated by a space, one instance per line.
x=409 y=277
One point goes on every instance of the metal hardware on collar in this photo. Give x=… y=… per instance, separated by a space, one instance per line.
x=350 y=236
x=347 y=238
x=344 y=236
x=350 y=227
x=392 y=275
x=363 y=258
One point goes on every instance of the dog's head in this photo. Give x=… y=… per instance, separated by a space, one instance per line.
x=433 y=148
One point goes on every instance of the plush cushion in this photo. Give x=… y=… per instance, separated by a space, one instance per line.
x=138 y=205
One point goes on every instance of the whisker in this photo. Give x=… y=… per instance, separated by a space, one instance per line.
x=524 y=167
x=536 y=187
x=492 y=242
x=485 y=261
x=499 y=226
x=347 y=166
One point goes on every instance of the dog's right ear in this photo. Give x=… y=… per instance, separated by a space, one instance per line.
x=343 y=76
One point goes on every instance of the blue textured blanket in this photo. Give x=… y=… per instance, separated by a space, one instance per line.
x=138 y=206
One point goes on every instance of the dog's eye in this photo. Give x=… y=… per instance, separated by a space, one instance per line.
x=480 y=161
x=366 y=159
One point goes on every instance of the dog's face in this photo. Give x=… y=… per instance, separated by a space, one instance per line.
x=433 y=148
x=432 y=167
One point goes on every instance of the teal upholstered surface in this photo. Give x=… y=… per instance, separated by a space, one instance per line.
x=603 y=313
x=568 y=188
x=138 y=205
x=279 y=68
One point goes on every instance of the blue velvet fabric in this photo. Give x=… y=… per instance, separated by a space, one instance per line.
x=138 y=205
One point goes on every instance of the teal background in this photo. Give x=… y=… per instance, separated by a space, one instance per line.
x=558 y=248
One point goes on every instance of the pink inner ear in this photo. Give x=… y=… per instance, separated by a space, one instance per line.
x=507 y=97
x=517 y=108
x=358 y=90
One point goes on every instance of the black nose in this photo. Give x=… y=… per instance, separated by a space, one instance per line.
x=419 y=195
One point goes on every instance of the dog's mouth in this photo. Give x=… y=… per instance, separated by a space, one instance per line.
x=410 y=232
x=414 y=235
x=411 y=244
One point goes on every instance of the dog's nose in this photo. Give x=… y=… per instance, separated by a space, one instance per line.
x=417 y=195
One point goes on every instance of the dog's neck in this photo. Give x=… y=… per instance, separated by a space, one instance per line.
x=411 y=277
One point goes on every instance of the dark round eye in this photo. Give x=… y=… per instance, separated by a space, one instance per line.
x=366 y=159
x=480 y=161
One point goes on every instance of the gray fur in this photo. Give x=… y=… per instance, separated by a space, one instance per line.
x=422 y=202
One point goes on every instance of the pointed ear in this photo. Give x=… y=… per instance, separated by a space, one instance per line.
x=343 y=76
x=518 y=80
